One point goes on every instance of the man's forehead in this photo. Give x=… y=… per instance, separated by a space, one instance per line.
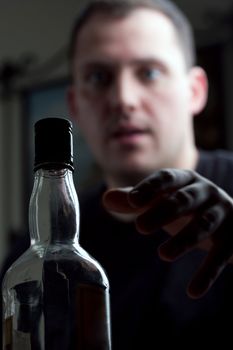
x=104 y=63
x=142 y=36
x=138 y=19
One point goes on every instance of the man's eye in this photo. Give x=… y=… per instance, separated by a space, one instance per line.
x=99 y=78
x=149 y=74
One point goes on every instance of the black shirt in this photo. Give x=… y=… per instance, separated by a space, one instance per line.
x=149 y=304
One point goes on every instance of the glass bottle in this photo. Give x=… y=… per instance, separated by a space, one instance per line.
x=55 y=296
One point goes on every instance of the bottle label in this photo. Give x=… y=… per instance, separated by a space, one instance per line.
x=21 y=340
x=7 y=333
x=15 y=339
x=93 y=321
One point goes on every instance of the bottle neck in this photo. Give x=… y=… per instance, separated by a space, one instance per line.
x=54 y=207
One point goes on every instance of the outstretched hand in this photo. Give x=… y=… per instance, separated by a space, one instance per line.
x=192 y=209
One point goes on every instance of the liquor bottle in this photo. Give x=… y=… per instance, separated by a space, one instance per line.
x=55 y=296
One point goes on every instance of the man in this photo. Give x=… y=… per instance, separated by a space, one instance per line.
x=135 y=92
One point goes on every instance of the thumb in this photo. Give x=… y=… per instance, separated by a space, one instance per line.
x=116 y=200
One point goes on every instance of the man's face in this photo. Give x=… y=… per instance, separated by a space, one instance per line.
x=132 y=93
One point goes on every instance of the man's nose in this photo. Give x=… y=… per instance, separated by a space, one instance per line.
x=124 y=93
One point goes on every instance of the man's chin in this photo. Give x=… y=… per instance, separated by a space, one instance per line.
x=133 y=174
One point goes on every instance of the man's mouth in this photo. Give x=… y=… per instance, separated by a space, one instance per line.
x=128 y=135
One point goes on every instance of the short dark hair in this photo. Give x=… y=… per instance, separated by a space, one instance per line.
x=121 y=8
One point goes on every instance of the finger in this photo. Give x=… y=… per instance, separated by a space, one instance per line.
x=116 y=200
x=157 y=216
x=211 y=268
x=171 y=207
x=177 y=225
x=159 y=182
x=194 y=234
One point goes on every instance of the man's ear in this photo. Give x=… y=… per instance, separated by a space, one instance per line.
x=72 y=103
x=199 y=89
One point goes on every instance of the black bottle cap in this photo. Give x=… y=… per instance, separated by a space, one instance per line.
x=53 y=144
